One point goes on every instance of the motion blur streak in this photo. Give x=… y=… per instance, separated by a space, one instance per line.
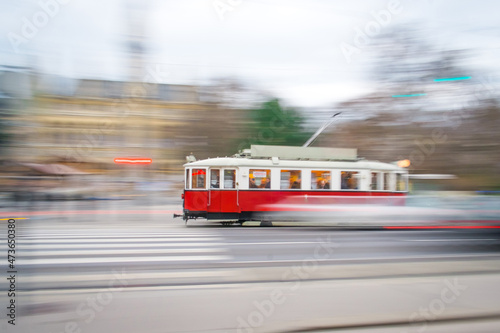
x=449 y=226
x=102 y=101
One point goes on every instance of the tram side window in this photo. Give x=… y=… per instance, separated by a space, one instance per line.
x=290 y=179
x=386 y=182
x=214 y=178
x=229 y=178
x=259 y=178
x=400 y=182
x=187 y=178
x=198 y=177
x=374 y=183
x=349 y=180
x=320 y=180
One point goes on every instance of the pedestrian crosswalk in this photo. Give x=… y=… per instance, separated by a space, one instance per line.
x=122 y=247
x=90 y=258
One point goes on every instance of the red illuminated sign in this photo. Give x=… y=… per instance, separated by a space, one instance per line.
x=122 y=160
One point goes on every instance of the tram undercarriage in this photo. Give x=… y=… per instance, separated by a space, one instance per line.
x=227 y=219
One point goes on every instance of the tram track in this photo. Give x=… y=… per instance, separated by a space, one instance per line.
x=231 y=275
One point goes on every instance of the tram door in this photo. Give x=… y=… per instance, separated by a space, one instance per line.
x=223 y=192
x=214 y=192
x=229 y=195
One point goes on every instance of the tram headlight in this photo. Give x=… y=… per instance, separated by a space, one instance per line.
x=404 y=163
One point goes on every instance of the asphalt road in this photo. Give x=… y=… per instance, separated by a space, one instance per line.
x=135 y=269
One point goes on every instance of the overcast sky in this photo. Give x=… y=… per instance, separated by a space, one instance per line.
x=292 y=48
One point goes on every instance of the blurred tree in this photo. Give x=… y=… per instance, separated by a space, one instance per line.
x=272 y=124
x=404 y=62
x=452 y=129
x=404 y=58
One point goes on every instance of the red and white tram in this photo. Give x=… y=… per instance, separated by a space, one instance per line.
x=257 y=181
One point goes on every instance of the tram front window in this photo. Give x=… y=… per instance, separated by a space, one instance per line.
x=290 y=179
x=198 y=178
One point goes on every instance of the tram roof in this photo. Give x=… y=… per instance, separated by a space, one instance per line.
x=300 y=164
x=298 y=153
x=296 y=157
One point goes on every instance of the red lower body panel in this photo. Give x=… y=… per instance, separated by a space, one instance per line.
x=216 y=203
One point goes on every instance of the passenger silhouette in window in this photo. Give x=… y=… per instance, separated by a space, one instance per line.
x=323 y=185
x=252 y=183
x=296 y=184
x=344 y=185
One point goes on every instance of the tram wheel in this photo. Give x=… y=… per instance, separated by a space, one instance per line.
x=266 y=223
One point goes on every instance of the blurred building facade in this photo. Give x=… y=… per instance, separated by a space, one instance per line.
x=16 y=93
x=87 y=123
